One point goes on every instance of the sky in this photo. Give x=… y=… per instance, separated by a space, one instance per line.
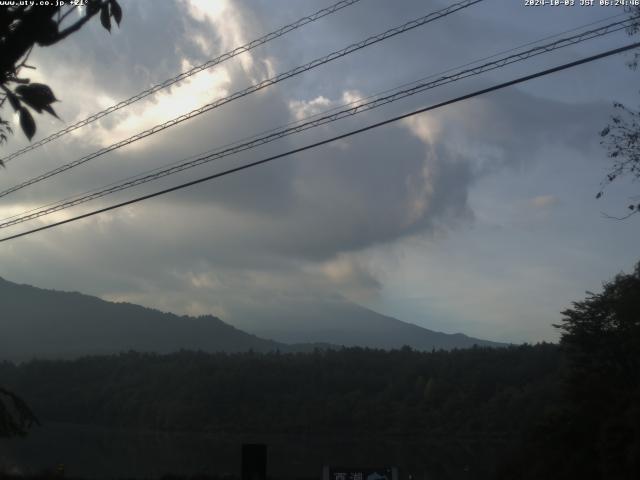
x=478 y=218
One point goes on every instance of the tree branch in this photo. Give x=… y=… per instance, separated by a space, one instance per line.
x=611 y=217
x=78 y=25
x=66 y=14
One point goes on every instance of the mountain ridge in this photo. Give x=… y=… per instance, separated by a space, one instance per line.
x=340 y=322
x=58 y=324
x=53 y=324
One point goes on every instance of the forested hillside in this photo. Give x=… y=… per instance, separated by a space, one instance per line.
x=497 y=392
x=50 y=324
x=517 y=405
x=39 y=323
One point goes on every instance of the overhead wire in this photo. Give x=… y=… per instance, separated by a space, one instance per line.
x=350 y=109
x=324 y=112
x=149 y=176
x=330 y=140
x=249 y=90
x=182 y=76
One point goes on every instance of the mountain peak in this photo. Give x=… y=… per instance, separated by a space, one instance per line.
x=39 y=323
x=340 y=322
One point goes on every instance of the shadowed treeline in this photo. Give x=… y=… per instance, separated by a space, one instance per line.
x=507 y=412
x=465 y=392
x=438 y=412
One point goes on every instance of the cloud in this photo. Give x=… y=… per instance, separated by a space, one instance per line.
x=227 y=21
x=312 y=224
x=544 y=201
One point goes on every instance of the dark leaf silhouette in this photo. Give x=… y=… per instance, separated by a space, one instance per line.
x=47 y=33
x=13 y=100
x=27 y=25
x=105 y=19
x=92 y=7
x=50 y=111
x=38 y=96
x=116 y=11
x=27 y=123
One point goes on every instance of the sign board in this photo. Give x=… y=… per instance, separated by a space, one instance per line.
x=254 y=461
x=359 y=473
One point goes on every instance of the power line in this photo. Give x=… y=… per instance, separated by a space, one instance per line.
x=330 y=140
x=254 y=88
x=197 y=69
x=348 y=110
x=196 y=161
x=324 y=112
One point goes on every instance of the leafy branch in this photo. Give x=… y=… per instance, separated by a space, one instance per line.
x=21 y=28
x=621 y=137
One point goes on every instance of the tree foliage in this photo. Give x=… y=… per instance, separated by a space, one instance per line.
x=15 y=416
x=24 y=26
x=602 y=333
x=621 y=137
x=601 y=418
x=481 y=398
x=473 y=391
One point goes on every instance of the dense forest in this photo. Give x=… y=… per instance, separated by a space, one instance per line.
x=485 y=399
x=550 y=411
x=514 y=398
x=496 y=391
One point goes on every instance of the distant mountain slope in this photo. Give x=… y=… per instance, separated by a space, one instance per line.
x=51 y=324
x=342 y=323
x=38 y=323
